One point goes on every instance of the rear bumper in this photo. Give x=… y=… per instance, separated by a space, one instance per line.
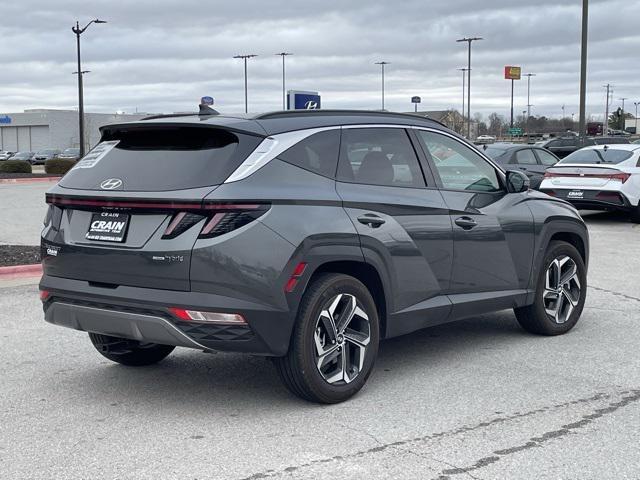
x=593 y=199
x=143 y=314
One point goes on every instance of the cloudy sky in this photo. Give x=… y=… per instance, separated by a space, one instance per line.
x=163 y=55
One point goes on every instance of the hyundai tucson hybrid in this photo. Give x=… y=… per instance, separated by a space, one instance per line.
x=307 y=236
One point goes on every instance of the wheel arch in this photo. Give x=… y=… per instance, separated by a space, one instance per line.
x=365 y=273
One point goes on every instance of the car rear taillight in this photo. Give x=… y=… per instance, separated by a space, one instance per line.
x=208 y=317
x=622 y=176
x=220 y=217
x=44 y=295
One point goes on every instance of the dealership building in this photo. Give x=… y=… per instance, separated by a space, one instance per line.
x=39 y=129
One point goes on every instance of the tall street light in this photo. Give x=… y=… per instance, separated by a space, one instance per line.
x=464 y=71
x=635 y=104
x=469 y=40
x=582 y=128
x=528 y=75
x=283 y=54
x=246 y=96
x=382 y=64
x=79 y=31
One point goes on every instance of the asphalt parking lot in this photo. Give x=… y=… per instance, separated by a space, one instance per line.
x=475 y=399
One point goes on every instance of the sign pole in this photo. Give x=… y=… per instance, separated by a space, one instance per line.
x=511 y=124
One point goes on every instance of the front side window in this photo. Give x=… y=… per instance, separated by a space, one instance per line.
x=379 y=156
x=459 y=167
x=317 y=153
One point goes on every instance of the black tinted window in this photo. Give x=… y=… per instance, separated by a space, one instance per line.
x=318 y=153
x=379 y=156
x=162 y=158
x=526 y=157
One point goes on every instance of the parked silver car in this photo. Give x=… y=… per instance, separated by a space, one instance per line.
x=6 y=155
x=43 y=155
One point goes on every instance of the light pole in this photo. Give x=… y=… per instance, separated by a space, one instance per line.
x=464 y=71
x=283 y=54
x=605 y=125
x=636 y=105
x=246 y=96
x=529 y=75
x=563 y=122
x=79 y=31
x=583 y=71
x=623 y=120
x=469 y=40
x=382 y=64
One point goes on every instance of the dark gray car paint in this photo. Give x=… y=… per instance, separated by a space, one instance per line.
x=431 y=270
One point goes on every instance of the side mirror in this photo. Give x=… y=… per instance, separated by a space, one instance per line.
x=517 y=181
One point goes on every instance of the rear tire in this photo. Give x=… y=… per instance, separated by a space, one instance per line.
x=129 y=352
x=560 y=292
x=334 y=343
x=635 y=214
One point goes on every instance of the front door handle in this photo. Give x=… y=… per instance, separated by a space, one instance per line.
x=467 y=223
x=371 y=220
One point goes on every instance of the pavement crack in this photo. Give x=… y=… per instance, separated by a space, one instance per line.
x=617 y=294
x=630 y=396
x=380 y=446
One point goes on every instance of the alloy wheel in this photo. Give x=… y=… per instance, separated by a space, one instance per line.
x=562 y=289
x=341 y=336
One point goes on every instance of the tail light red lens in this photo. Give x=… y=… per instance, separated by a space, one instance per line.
x=622 y=176
x=44 y=295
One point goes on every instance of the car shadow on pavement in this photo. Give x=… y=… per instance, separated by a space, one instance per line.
x=192 y=380
x=595 y=217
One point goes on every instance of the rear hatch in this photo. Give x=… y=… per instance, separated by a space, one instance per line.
x=131 y=210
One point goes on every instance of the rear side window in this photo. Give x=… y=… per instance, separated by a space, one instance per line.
x=161 y=158
x=526 y=157
x=379 y=156
x=546 y=158
x=317 y=153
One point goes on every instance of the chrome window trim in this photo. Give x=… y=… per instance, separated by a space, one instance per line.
x=274 y=145
x=269 y=149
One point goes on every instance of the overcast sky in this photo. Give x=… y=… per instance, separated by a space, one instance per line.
x=163 y=55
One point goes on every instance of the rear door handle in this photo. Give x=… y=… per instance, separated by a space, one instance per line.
x=371 y=220
x=467 y=223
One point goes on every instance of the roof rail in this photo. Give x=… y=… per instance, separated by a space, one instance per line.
x=337 y=112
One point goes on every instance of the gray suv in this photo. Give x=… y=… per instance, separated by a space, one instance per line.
x=307 y=236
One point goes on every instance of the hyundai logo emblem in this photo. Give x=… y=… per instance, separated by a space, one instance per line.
x=311 y=105
x=111 y=184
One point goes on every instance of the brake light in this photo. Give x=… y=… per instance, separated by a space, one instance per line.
x=44 y=295
x=208 y=317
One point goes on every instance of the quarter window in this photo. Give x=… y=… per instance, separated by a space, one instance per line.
x=317 y=153
x=379 y=156
x=459 y=167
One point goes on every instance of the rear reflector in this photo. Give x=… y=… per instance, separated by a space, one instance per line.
x=44 y=295
x=208 y=317
x=293 y=280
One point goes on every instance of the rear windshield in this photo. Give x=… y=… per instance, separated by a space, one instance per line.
x=160 y=158
x=597 y=156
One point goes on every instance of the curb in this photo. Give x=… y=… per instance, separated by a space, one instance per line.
x=20 y=271
x=29 y=180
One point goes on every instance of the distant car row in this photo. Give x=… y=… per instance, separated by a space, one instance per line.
x=40 y=157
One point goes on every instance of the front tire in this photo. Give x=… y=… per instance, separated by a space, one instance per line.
x=335 y=341
x=560 y=292
x=129 y=352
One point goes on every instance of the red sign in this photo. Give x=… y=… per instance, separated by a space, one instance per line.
x=512 y=73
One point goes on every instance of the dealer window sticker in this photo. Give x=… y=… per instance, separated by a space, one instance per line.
x=96 y=154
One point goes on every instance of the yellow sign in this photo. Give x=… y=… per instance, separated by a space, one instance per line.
x=512 y=73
